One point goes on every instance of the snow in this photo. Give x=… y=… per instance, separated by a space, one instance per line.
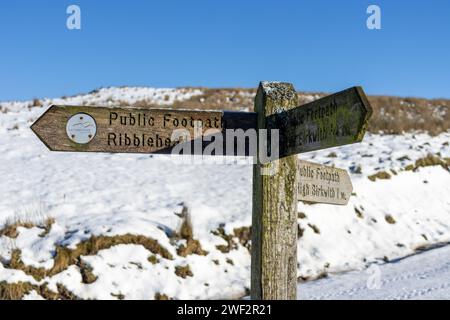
x=421 y=212
x=13 y=276
x=118 y=194
x=125 y=269
x=33 y=295
x=422 y=276
x=113 y=95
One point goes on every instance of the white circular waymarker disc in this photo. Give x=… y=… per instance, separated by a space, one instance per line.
x=81 y=128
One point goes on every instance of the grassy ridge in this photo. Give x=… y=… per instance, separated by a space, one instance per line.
x=393 y=115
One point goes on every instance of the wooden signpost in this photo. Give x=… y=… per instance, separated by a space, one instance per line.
x=322 y=184
x=274 y=210
x=335 y=120
x=332 y=121
x=129 y=130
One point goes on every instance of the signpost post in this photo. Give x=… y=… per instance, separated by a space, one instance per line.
x=274 y=211
x=332 y=121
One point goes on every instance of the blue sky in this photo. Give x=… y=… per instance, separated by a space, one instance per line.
x=318 y=45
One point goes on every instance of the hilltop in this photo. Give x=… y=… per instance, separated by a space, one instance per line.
x=392 y=115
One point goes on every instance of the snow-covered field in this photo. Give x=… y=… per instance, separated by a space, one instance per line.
x=114 y=195
x=418 y=277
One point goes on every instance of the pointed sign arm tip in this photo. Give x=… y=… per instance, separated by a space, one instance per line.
x=365 y=101
x=35 y=126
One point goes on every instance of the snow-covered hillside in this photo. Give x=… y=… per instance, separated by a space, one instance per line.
x=107 y=226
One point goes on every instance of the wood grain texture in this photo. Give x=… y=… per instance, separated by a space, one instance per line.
x=274 y=216
x=332 y=121
x=132 y=130
x=322 y=184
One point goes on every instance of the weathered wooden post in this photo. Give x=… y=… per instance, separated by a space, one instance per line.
x=274 y=217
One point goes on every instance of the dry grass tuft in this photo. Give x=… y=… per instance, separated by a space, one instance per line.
x=10 y=230
x=231 y=245
x=432 y=160
x=14 y=291
x=244 y=234
x=153 y=259
x=65 y=294
x=86 y=271
x=301 y=215
x=10 y=227
x=359 y=213
x=192 y=247
x=429 y=160
x=183 y=271
x=36 y=103
x=161 y=296
x=241 y=235
x=47 y=226
x=382 y=175
x=332 y=155
x=66 y=257
x=16 y=263
x=314 y=228
x=300 y=231
x=390 y=219
x=118 y=296
x=186 y=232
